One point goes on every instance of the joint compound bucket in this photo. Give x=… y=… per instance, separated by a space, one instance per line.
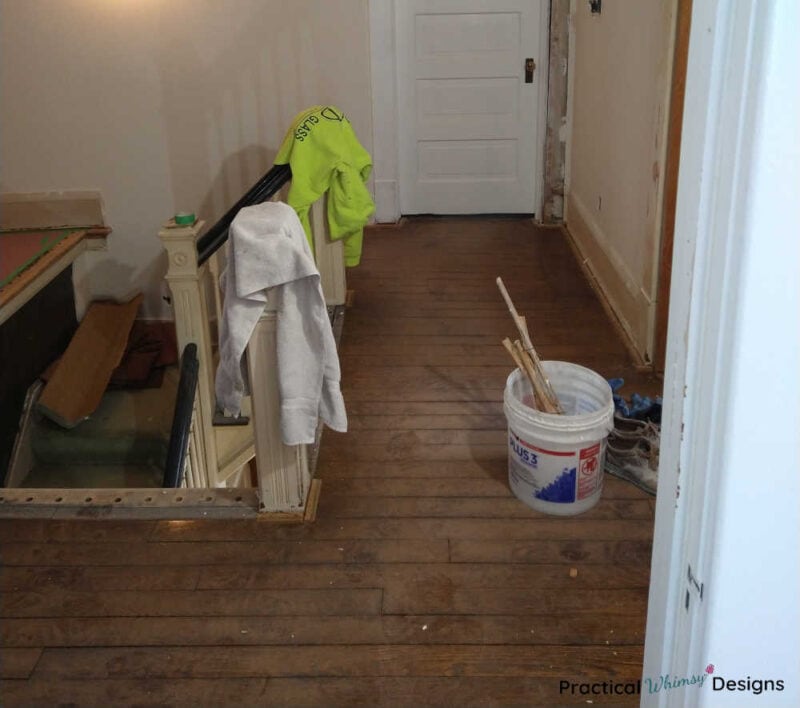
x=555 y=462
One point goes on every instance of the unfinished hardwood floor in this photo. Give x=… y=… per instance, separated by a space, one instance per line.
x=423 y=581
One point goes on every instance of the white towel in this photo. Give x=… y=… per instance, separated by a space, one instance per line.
x=267 y=249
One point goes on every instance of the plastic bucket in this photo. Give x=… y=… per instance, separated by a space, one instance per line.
x=555 y=462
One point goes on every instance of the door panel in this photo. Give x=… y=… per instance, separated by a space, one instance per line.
x=468 y=122
x=472 y=108
x=467 y=159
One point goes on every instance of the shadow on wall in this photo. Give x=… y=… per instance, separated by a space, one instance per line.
x=112 y=273
x=227 y=96
x=232 y=166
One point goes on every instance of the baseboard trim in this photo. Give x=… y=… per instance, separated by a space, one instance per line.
x=639 y=362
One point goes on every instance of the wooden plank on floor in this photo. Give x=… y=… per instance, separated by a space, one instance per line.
x=200 y=603
x=18 y=663
x=324 y=692
x=225 y=552
x=442 y=598
x=74 y=531
x=583 y=551
x=390 y=486
x=345 y=470
x=248 y=575
x=414 y=481
x=538 y=529
x=254 y=630
x=421 y=408
x=359 y=507
x=337 y=660
x=119 y=577
x=415 y=451
x=428 y=422
x=578 y=320
x=429 y=575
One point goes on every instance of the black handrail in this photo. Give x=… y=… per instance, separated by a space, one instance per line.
x=182 y=418
x=262 y=190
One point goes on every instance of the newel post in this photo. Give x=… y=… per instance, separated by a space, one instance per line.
x=186 y=283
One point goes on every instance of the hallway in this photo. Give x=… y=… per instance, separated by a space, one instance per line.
x=423 y=581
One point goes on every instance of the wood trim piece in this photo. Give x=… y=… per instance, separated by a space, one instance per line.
x=611 y=311
x=150 y=503
x=20 y=290
x=137 y=504
x=312 y=502
x=674 y=129
x=283 y=471
x=45 y=210
x=626 y=307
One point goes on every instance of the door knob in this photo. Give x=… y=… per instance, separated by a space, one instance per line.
x=530 y=66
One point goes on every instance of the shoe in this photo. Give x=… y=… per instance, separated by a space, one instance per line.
x=634 y=460
x=634 y=429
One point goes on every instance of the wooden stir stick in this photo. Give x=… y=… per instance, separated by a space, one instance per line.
x=524 y=353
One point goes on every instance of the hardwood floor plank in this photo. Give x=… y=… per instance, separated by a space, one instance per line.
x=270 y=551
x=416 y=451
x=390 y=486
x=456 y=575
x=18 y=663
x=444 y=598
x=366 y=470
x=411 y=304
x=540 y=528
x=200 y=603
x=249 y=630
x=355 y=661
x=398 y=439
x=398 y=692
x=120 y=577
x=365 y=507
x=73 y=531
x=422 y=408
x=400 y=481
x=136 y=692
x=428 y=422
x=583 y=551
x=578 y=320
x=607 y=365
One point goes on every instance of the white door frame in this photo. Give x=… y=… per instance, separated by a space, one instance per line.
x=383 y=53
x=734 y=287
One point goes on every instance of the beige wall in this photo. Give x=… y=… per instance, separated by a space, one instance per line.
x=166 y=105
x=621 y=71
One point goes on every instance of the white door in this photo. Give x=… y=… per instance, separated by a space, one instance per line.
x=470 y=131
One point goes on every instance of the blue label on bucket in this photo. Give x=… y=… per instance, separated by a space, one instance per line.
x=565 y=476
x=561 y=489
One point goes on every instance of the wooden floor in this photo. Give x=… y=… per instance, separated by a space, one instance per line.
x=423 y=581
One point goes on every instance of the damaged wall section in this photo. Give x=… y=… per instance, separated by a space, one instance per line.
x=556 y=131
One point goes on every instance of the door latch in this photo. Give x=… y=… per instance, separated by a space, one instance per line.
x=530 y=66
